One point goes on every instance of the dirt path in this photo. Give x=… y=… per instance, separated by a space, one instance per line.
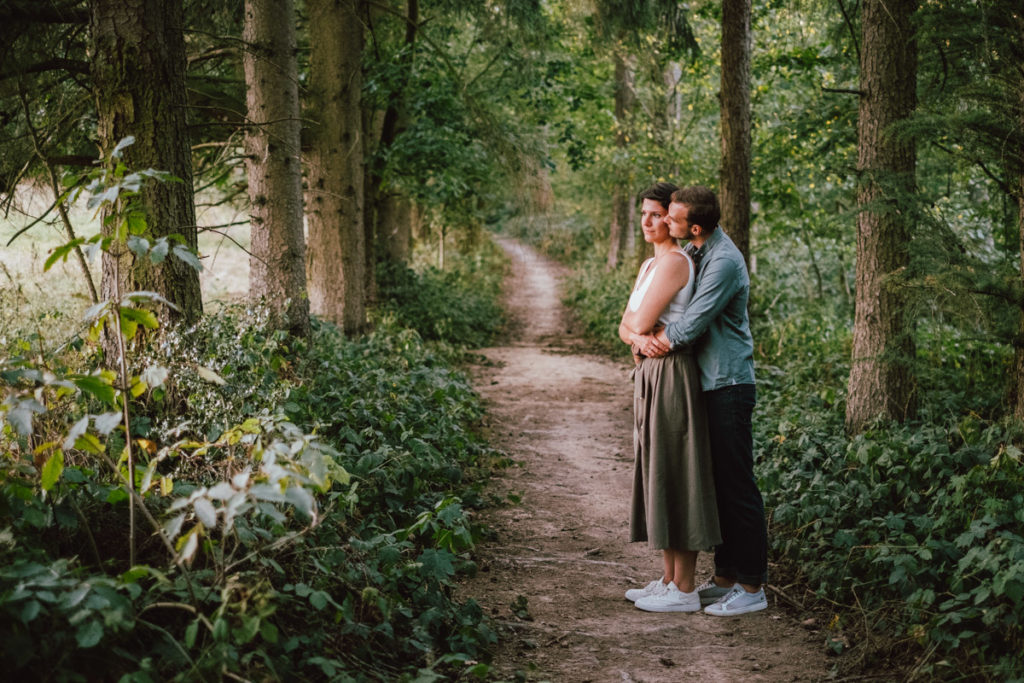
x=565 y=419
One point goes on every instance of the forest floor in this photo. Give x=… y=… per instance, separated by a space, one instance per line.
x=554 y=575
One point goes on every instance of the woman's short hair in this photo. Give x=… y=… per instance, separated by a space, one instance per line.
x=659 y=192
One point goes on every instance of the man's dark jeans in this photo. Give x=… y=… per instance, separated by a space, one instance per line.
x=743 y=554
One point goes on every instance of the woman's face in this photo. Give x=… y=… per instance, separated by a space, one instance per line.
x=652 y=219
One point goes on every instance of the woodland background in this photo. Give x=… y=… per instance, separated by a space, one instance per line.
x=246 y=250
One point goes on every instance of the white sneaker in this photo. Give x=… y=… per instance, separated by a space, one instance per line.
x=670 y=600
x=738 y=601
x=710 y=592
x=656 y=587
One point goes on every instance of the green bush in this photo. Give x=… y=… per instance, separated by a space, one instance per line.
x=909 y=535
x=344 y=571
x=458 y=305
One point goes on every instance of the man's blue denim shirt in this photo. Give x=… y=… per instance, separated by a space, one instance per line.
x=716 y=321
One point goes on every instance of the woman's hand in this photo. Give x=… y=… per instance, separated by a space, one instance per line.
x=651 y=345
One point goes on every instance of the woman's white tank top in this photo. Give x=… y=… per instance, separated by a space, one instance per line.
x=678 y=303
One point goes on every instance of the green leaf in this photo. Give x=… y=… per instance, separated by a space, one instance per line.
x=106 y=422
x=436 y=564
x=319 y=599
x=79 y=428
x=186 y=255
x=206 y=513
x=210 y=376
x=142 y=316
x=89 y=443
x=89 y=634
x=138 y=245
x=138 y=388
x=20 y=416
x=135 y=221
x=30 y=611
x=97 y=387
x=61 y=252
x=191 y=631
x=52 y=470
x=122 y=144
x=160 y=249
x=154 y=375
x=268 y=631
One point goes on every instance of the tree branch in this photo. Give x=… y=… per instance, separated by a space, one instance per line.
x=59 y=199
x=847 y=91
x=32 y=11
x=56 y=64
x=849 y=26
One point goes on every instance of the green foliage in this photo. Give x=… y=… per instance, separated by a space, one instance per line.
x=458 y=305
x=891 y=529
x=598 y=298
x=308 y=504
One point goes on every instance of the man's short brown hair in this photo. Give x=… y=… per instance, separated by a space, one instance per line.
x=702 y=204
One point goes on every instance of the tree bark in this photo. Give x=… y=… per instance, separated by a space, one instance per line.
x=336 y=251
x=138 y=67
x=881 y=377
x=734 y=192
x=395 y=223
x=1018 y=365
x=383 y=207
x=1018 y=379
x=622 y=196
x=277 y=263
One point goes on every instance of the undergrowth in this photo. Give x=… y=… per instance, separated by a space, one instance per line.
x=907 y=537
x=319 y=494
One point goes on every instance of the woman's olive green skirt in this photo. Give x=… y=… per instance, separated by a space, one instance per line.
x=673 y=502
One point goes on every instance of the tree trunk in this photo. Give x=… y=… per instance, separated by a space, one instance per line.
x=336 y=252
x=277 y=263
x=881 y=378
x=395 y=223
x=734 y=192
x=138 y=71
x=1018 y=379
x=1018 y=407
x=383 y=208
x=622 y=196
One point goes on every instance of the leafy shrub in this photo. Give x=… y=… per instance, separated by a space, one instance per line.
x=458 y=305
x=598 y=298
x=267 y=557
x=909 y=534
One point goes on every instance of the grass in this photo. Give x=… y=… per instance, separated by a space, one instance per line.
x=50 y=303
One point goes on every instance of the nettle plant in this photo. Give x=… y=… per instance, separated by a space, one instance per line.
x=64 y=428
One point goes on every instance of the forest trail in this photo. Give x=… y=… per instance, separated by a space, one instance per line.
x=565 y=418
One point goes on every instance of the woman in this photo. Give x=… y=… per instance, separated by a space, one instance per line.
x=673 y=506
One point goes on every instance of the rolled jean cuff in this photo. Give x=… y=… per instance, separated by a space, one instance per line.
x=740 y=577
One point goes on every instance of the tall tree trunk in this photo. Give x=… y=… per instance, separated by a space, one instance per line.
x=138 y=72
x=734 y=192
x=1018 y=379
x=277 y=264
x=383 y=207
x=881 y=378
x=336 y=252
x=622 y=196
x=396 y=219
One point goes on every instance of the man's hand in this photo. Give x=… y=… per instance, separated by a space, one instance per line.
x=654 y=345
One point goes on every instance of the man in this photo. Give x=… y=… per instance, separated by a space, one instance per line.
x=716 y=322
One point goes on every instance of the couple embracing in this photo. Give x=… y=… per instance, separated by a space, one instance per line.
x=693 y=400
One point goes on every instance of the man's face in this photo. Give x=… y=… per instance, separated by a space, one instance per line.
x=652 y=219
x=679 y=222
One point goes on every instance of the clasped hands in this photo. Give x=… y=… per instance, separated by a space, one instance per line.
x=653 y=345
